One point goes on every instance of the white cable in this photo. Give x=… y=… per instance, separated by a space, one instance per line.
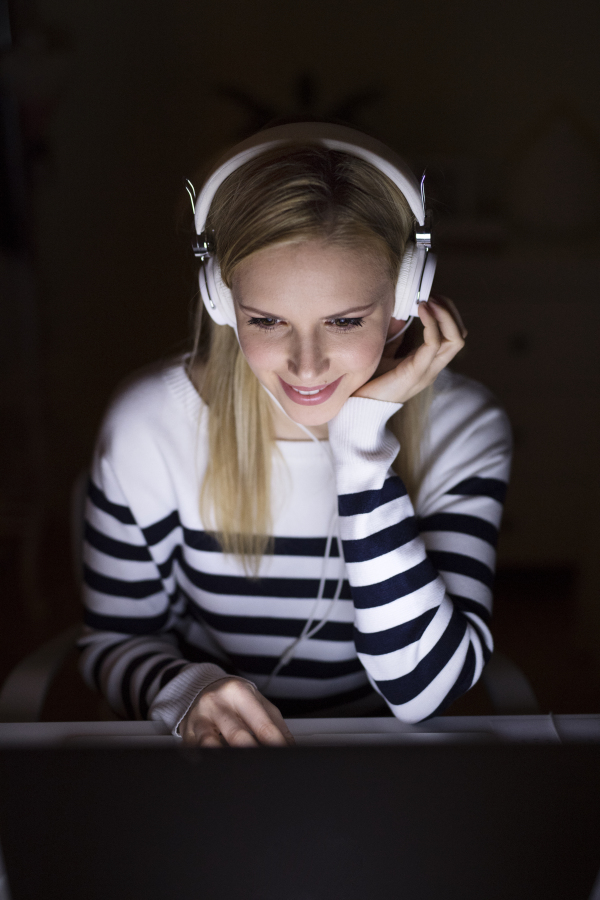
x=402 y=330
x=306 y=633
x=332 y=603
x=288 y=653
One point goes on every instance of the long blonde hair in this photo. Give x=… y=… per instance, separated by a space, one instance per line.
x=291 y=193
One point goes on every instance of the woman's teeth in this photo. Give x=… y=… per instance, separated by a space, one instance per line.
x=307 y=393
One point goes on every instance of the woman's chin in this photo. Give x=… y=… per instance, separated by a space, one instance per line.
x=312 y=417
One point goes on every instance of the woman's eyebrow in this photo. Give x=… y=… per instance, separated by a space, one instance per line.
x=337 y=315
x=346 y=312
x=260 y=312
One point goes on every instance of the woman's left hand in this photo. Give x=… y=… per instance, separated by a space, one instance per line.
x=443 y=336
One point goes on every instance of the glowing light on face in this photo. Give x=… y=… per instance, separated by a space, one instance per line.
x=312 y=322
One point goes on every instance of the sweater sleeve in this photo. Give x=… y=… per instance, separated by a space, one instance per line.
x=129 y=649
x=421 y=585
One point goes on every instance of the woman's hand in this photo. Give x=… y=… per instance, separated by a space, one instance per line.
x=231 y=712
x=443 y=336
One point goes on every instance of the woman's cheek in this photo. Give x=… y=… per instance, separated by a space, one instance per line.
x=251 y=347
x=364 y=358
x=261 y=356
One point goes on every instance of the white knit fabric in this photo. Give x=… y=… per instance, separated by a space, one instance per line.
x=167 y=613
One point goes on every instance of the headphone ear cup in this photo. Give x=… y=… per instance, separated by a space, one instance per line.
x=428 y=273
x=405 y=291
x=414 y=280
x=215 y=294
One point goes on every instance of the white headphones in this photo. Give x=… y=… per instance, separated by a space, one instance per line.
x=418 y=263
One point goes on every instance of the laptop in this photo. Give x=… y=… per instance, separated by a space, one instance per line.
x=471 y=820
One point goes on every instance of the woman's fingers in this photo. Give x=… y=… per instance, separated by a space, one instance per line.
x=205 y=735
x=208 y=740
x=235 y=731
x=432 y=332
x=443 y=337
x=451 y=338
x=397 y=381
x=278 y=720
x=447 y=326
x=199 y=730
x=262 y=717
x=231 y=712
x=448 y=304
x=419 y=363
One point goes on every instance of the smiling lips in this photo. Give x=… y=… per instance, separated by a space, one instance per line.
x=310 y=396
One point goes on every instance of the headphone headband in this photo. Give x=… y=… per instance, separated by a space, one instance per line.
x=335 y=137
x=418 y=265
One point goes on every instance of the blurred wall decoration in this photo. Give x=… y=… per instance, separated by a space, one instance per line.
x=499 y=103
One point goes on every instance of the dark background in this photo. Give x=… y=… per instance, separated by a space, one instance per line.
x=108 y=105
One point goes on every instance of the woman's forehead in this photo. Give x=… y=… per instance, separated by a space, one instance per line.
x=311 y=273
x=320 y=258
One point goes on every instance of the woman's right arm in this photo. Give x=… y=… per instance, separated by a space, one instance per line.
x=133 y=606
x=129 y=648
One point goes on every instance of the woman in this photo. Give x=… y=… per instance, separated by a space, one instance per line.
x=301 y=515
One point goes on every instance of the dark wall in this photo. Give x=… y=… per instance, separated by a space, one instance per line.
x=143 y=103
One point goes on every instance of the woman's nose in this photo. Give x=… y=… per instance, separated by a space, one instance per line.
x=308 y=359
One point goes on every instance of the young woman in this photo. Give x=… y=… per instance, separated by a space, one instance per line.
x=301 y=515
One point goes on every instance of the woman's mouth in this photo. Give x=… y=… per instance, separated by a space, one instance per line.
x=309 y=395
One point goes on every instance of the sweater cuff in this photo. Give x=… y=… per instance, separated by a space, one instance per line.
x=362 y=448
x=173 y=701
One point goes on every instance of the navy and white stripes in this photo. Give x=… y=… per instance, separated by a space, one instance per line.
x=167 y=612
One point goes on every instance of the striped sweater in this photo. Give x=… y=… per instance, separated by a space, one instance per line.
x=167 y=613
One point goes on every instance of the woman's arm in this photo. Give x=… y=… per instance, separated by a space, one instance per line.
x=422 y=586
x=134 y=612
x=129 y=648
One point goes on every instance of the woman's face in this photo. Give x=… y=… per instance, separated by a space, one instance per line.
x=312 y=322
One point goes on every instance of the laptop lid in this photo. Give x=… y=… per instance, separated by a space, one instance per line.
x=415 y=821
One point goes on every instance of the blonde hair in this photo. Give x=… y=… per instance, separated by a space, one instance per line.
x=291 y=193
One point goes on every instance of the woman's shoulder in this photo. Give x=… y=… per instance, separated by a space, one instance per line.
x=468 y=433
x=468 y=438
x=458 y=400
x=147 y=447
x=460 y=389
x=159 y=397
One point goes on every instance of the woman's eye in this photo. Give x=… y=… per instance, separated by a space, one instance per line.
x=268 y=323
x=347 y=324
x=265 y=323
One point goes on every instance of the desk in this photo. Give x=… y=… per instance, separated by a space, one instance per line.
x=327 y=732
